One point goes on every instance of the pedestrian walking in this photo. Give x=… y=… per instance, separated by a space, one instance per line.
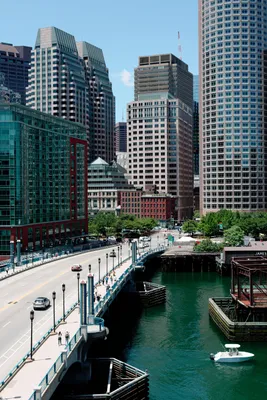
x=106 y=280
x=67 y=337
x=7 y=270
x=59 y=338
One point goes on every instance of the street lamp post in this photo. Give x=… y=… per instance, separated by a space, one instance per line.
x=118 y=255
x=107 y=264
x=63 y=294
x=31 y=318
x=113 y=257
x=78 y=282
x=54 y=309
x=89 y=268
x=121 y=251
x=99 y=275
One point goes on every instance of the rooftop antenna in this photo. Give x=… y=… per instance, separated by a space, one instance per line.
x=180 y=54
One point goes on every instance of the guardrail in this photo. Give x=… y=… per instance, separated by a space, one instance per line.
x=98 y=321
x=59 y=362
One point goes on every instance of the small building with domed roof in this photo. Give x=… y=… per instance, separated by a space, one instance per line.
x=105 y=182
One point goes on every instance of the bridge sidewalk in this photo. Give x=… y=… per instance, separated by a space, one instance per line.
x=32 y=372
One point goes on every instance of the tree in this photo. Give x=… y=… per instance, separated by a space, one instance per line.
x=196 y=214
x=209 y=225
x=190 y=226
x=207 y=246
x=234 y=236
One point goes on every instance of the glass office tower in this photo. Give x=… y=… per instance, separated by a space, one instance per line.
x=43 y=180
x=232 y=37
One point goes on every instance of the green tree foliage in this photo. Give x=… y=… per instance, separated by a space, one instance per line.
x=190 y=226
x=196 y=214
x=108 y=224
x=234 y=236
x=250 y=223
x=207 y=246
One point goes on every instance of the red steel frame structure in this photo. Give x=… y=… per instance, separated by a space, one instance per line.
x=249 y=281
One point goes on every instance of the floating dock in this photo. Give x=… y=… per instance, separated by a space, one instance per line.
x=150 y=294
x=109 y=378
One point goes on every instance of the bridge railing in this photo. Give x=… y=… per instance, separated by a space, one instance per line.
x=45 y=382
x=98 y=307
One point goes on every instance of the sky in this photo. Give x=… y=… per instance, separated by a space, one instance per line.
x=124 y=30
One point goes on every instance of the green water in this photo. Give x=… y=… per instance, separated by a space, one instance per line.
x=173 y=342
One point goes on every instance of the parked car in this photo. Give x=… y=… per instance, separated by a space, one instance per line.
x=41 y=303
x=76 y=267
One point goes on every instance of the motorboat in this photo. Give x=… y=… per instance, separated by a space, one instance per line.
x=231 y=355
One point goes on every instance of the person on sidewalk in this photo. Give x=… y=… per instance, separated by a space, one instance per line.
x=67 y=337
x=7 y=270
x=59 y=338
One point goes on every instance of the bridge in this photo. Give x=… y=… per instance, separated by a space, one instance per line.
x=37 y=378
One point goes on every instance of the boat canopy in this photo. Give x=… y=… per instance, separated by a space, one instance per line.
x=232 y=346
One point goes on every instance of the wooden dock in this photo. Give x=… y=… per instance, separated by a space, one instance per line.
x=180 y=258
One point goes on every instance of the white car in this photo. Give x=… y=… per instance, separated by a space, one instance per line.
x=144 y=239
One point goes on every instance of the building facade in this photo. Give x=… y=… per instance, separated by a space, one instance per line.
x=232 y=37
x=101 y=103
x=161 y=74
x=158 y=206
x=161 y=207
x=7 y=95
x=43 y=182
x=57 y=78
x=121 y=137
x=160 y=149
x=195 y=126
x=130 y=202
x=15 y=64
x=70 y=80
x=159 y=129
x=105 y=182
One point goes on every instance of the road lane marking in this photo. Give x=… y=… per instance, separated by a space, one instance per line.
x=22 y=341
x=33 y=290
x=9 y=322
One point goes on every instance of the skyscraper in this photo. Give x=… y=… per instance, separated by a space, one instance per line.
x=195 y=125
x=15 y=64
x=57 y=79
x=121 y=136
x=163 y=73
x=159 y=129
x=101 y=102
x=232 y=37
x=70 y=80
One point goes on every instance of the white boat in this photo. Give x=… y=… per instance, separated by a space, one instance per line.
x=231 y=355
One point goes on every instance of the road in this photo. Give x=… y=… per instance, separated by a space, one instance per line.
x=18 y=292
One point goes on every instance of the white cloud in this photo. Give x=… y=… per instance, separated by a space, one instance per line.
x=126 y=78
